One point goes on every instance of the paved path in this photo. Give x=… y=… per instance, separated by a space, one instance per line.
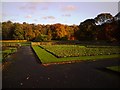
x=26 y=72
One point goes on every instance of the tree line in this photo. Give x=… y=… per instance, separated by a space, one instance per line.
x=103 y=27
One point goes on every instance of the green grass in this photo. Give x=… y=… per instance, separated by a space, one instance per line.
x=11 y=48
x=77 y=50
x=7 y=52
x=16 y=43
x=47 y=57
x=43 y=55
x=25 y=43
x=114 y=68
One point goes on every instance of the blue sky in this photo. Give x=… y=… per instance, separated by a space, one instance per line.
x=55 y=12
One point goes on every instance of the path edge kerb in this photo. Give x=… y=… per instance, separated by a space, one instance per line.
x=34 y=53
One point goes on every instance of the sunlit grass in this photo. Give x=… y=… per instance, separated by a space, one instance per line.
x=77 y=50
x=44 y=56
x=16 y=43
x=7 y=52
x=47 y=57
x=114 y=68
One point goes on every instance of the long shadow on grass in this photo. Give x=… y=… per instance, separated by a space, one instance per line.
x=50 y=52
x=55 y=54
x=35 y=55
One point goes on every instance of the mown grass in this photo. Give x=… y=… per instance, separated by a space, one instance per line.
x=16 y=43
x=43 y=55
x=7 y=52
x=11 y=47
x=47 y=57
x=77 y=50
x=114 y=68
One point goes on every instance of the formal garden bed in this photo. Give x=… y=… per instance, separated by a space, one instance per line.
x=71 y=53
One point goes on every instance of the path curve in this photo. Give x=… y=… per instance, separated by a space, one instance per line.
x=26 y=72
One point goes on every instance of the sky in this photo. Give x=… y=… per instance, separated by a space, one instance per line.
x=55 y=12
x=60 y=0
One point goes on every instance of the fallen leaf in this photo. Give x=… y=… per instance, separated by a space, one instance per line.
x=21 y=83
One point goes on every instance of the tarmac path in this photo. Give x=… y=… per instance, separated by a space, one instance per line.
x=25 y=71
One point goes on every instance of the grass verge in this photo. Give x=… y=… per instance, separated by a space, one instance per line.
x=62 y=51
x=114 y=68
x=7 y=52
x=47 y=57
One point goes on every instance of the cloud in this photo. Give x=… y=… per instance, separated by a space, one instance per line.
x=44 y=17
x=35 y=20
x=28 y=16
x=51 y=17
x=29 y=7
x=69 y=8
x=48 y=17
x=66 y=15
x=32 y=7
x=44 y=8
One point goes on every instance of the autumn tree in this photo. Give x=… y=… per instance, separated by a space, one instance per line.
x=62 y=32
x=112 y=31
x=103 y=18
x=87 y=30
x=73 y=32
x=49 y=35
x=7 y=30
x=18 y=32
x=41 y=37
x=103 y=27
x=29 y=34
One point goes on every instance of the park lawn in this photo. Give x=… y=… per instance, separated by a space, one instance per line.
x=12 y=48
x=7 y=52
x=77 y=50
x=16 y=43
x=43 y=55
x=47 y=57
x=114 y=68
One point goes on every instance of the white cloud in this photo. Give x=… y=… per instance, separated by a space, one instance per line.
x=48 y=17
x=66 y=15
x=28 y=16
x=35 y=20
x=30 y=7
x=69 y=8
